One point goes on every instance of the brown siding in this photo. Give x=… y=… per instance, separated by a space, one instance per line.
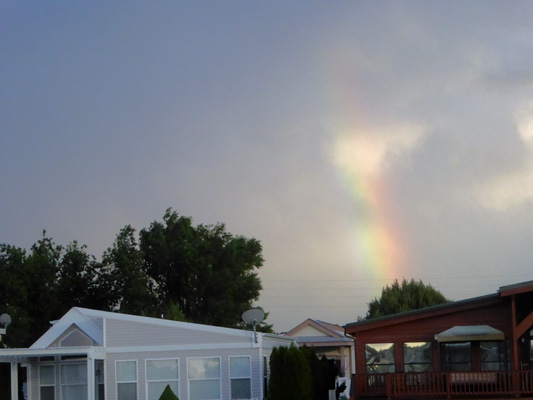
x=425 y=328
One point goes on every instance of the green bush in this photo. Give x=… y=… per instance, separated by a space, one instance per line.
x=290 y=374
x=168 y=394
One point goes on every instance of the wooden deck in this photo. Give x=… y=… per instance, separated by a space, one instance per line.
x=446 y=385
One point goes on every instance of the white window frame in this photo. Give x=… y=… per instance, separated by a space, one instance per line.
x=231 y=377
x=148 y=381
x=61 y=384
x=50 y=364
x=136 y=381
x=205 y=379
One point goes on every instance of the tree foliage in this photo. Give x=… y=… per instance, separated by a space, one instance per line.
x=200 y=274
x=405 y=296
x=297 y=373
x=204 y=271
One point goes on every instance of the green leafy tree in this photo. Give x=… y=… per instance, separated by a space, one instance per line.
x=81 y=280
x=405 y=296
x=125 y=274
x=209 y=274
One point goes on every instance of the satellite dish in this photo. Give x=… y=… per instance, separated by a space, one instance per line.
x=254 y=316
x=5 y=320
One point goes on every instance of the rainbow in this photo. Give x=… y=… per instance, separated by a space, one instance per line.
x=359 y=152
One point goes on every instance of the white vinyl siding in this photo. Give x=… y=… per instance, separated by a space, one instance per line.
x=204 y=378
x=159 y=374
x=240 y=377
x=126 y=373
x=47 y=382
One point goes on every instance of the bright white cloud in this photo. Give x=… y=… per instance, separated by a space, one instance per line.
x=368 y=153
x=514 y=189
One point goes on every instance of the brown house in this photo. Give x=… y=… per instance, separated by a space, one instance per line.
x=480 y=347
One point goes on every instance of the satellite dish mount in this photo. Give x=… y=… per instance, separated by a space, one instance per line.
x=5 y=321
x=253 y=317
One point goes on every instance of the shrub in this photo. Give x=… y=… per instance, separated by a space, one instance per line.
x=168 y=394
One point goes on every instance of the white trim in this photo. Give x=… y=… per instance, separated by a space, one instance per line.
x=72 y=317
x=249 y=357
x=204 y=379
x=14 y=381
x=136 y=377
x=161 y=380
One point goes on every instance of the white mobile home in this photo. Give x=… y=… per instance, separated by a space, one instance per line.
x=96 y=355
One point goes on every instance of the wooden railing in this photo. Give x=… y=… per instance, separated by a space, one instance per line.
x=444 y=384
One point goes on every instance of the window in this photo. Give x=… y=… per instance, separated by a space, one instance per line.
x=99 y=379
x=74 y=381
x=418 y=357
x=204 y=378
x=47 y=382
x=493 y=355
x=379 y=358
x=240 y=376
x=457 y=356
x=126 y=380
x=159 y=374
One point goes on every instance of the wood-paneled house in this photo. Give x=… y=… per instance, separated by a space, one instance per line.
x=96 y=355
x=478 y=347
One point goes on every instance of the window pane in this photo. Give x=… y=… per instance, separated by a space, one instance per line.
x=239 y=367
x=126 y=371
x=204 y=368
x=127 y=391
x=241 y=389
x=417 y=353
x=380 y=369
x=380 y=353
x=379 y=358
x=205 y=389
x=155 y=389
x=47 y=393
x=46 y=374
x=418 y=367
x=73 y=374
x=490 y=352
x=158 y=370
x=74 y=392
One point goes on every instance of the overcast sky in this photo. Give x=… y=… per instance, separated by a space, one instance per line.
x=359 y=141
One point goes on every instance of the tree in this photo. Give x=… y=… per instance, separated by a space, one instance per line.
x=81 y=279
x=402 y=297
x=206 y=272
x=124 y=271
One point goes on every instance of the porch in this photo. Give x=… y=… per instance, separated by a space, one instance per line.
x=444 y=385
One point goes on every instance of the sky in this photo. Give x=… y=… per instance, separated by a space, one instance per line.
x=360 y=142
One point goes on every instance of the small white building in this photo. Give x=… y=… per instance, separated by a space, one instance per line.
x=97 y=355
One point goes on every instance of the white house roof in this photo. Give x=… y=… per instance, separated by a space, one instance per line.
x=92 y=322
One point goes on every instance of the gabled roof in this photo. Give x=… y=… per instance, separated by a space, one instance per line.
x=74 y=316
x=326 y=333
x=92 y=322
